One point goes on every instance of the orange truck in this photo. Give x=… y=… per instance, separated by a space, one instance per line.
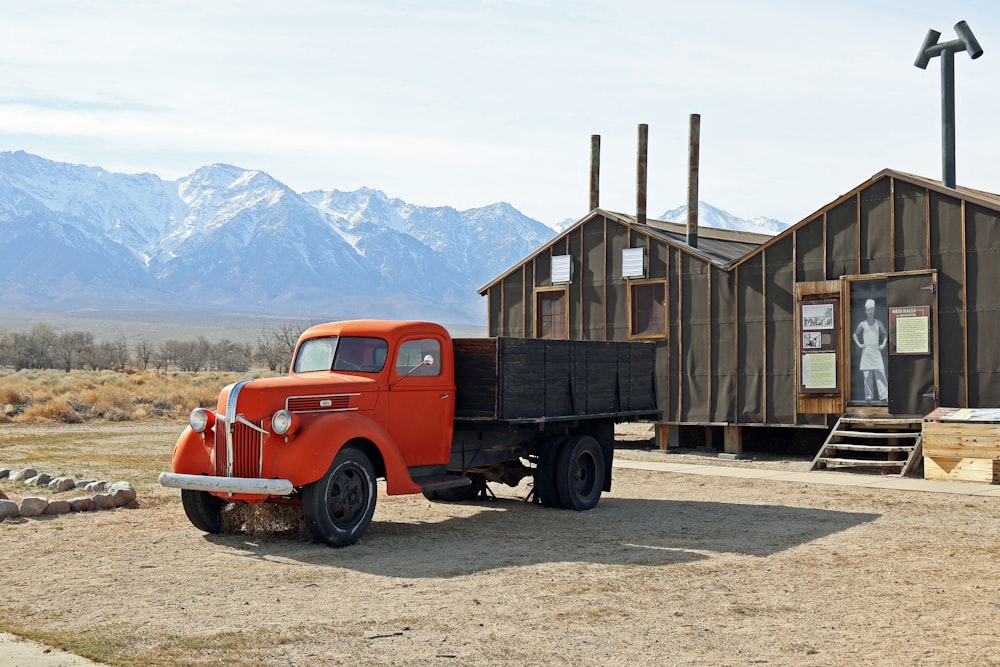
x=402 y=401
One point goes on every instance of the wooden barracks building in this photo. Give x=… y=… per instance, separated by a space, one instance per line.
x=883 y=304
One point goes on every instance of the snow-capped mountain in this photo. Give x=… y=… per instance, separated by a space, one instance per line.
x=709 y=216
x=230 y=239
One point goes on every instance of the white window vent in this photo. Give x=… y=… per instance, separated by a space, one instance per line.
x=634 y=263
x=562 y=269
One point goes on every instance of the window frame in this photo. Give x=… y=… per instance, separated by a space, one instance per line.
x=632 y=285
x=541 y=292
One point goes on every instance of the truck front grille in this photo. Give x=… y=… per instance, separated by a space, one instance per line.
x=247 y=447
x=327 y=403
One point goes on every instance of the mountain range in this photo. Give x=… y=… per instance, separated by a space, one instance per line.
x=228 y=239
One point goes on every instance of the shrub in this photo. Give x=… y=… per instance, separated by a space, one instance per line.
x=56 y=409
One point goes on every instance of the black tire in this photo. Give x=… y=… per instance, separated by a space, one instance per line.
x=580 y=473
x=203 y=510
x=545 y=472
x=339 y=506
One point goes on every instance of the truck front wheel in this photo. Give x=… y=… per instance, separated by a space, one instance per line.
x=580 y=473
x=339 y=506
x=203 y=510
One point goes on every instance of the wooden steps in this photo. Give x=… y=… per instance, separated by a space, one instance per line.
x=887 y=446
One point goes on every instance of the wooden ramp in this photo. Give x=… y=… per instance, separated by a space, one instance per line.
x=886 y=446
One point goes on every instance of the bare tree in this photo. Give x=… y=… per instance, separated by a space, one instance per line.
x=70 y=346
x=120 y=350
x=275 y=346
x=143 y=353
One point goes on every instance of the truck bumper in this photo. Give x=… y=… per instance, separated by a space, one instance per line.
x=234 y=485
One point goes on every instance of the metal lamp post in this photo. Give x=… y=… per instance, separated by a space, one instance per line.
x=966 y=42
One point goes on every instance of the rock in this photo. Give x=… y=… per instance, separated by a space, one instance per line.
x=82 y=484
x=40 y=479
x=96 y=487
x=123 y=493
x=58 y=507
x=81 y=504
x=104 y=501
x=8 y=510
x=32 y=506
x=62 y=483
x=4 y=473
x=22 y=475
x=3 y=496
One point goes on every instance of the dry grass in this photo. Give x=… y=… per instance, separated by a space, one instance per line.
x=51 y=396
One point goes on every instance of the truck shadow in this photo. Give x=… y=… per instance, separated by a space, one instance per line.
x=511 y=533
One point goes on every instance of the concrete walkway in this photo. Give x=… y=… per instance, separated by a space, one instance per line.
x=18 y=652
x=820 y=477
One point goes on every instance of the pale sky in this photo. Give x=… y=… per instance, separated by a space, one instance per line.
x=466 y=103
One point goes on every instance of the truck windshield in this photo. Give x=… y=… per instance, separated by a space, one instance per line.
x=342 y=353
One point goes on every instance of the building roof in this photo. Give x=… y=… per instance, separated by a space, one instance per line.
x=718 y=246
x=979 y=197
x=725 y=248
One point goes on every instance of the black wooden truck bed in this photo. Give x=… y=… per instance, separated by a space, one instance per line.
x=537 y=380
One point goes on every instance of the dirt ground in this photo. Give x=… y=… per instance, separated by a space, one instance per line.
x=669 y=569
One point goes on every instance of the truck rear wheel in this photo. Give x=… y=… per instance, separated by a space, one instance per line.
x=580 y=473
x=203 y=510
x=339 y=506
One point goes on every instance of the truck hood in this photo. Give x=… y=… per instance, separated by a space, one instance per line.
x=306 y=392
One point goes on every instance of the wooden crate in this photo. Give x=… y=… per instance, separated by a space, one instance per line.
x=967 y=469
x=961 y=440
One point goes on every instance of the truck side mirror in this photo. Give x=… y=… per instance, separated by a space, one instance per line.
x=428 y=360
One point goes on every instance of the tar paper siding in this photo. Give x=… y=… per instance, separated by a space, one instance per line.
x=731 y=329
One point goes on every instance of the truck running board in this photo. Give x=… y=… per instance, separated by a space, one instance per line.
x=441 y=482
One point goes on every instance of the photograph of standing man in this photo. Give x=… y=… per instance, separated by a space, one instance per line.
x=871 y=337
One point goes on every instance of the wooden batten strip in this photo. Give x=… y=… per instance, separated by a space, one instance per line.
x=711 y=368
x=892 y=224
x=927 y=224
x=736 y=341
x=608 y=275
x=763 y=338
x=666 y=305
x=965 y=301
x=826 y=256
x=680 y=339
x=795 y=323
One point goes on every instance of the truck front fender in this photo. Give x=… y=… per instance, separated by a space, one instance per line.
x=308 y=453
x=193 y=453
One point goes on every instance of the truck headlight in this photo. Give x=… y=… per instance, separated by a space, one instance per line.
x=201 y=420
x=283 y=422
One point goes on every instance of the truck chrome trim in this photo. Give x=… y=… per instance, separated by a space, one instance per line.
x=270 y=487
x=249 y=424
x=231 y=415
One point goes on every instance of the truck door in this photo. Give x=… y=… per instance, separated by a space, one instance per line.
x=421 y=402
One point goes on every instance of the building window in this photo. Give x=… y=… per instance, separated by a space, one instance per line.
x=647 y=309
x=550 y=314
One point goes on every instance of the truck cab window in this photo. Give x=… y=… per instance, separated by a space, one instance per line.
x=315 y=354
x=412 y=353
x=360 y=354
